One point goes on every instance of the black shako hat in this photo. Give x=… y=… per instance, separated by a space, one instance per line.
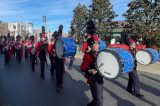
x=92 y=40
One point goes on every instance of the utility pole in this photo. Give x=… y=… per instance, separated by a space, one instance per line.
x=44 y=22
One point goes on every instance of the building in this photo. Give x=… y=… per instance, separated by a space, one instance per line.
x=120 y=26
x=18 y=28
x=3 y=28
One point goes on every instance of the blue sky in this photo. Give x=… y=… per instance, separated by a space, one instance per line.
x=57 y=11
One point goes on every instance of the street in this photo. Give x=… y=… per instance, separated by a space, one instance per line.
x=19 y=86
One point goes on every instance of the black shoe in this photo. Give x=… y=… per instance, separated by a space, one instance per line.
x=42 y=74
x=130 y=91
x=61 y=86
x=90 y=104
x=42 y=77
x=138 y=95
x=58 y=90
x=52 y=73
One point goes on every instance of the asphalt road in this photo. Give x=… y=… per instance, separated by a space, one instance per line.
x=19 y=86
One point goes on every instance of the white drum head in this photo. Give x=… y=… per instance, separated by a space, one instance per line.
x=59 y=48
x=107 y=65
x=143 y=57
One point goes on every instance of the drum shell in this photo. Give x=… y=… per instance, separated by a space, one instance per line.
x=102 y=45
x=67 y=47
x=153 y=54
x=124 y=59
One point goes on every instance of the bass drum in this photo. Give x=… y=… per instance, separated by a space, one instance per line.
x=102 y=45
x=111 y=63
x=147 y=56
x=65 y=47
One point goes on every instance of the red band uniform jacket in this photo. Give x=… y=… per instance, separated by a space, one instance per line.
x=88 y=64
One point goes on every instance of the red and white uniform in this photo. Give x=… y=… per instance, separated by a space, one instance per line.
x=19 y=45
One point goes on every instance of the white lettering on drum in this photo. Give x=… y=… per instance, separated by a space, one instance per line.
x=141 y=61
x=107 y=73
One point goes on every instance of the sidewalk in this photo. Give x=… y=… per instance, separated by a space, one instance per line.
x=152 y=68
x=79 y=55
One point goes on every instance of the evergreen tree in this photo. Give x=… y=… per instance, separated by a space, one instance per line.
x=143 y=18
x=103 y=14
x=80 y=14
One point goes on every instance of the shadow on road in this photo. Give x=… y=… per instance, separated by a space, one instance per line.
x=76 y=89
x=124 y=87
x=147 y=88
x=150 y=78
x=121 y=102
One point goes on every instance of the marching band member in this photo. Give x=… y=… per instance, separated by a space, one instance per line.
x=32 y=50
x=42 y=48
x=19 y=49
x=10 y=50
x=72 y=58
x=13 y=48
x=5 y=50
x=59 y=65
x=51 y=52
x=133 y=82
x=29 y=46
x=6 y=54
x=19 y=52
x=16 y=45
x=26 y=49
x=94 y=79
x=1 y=46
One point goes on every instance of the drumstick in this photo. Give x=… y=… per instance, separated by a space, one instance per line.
x=100 y=65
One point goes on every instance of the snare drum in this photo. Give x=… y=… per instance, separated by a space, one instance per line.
x=113 y=62
x=147 y=56
x=65 y=47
